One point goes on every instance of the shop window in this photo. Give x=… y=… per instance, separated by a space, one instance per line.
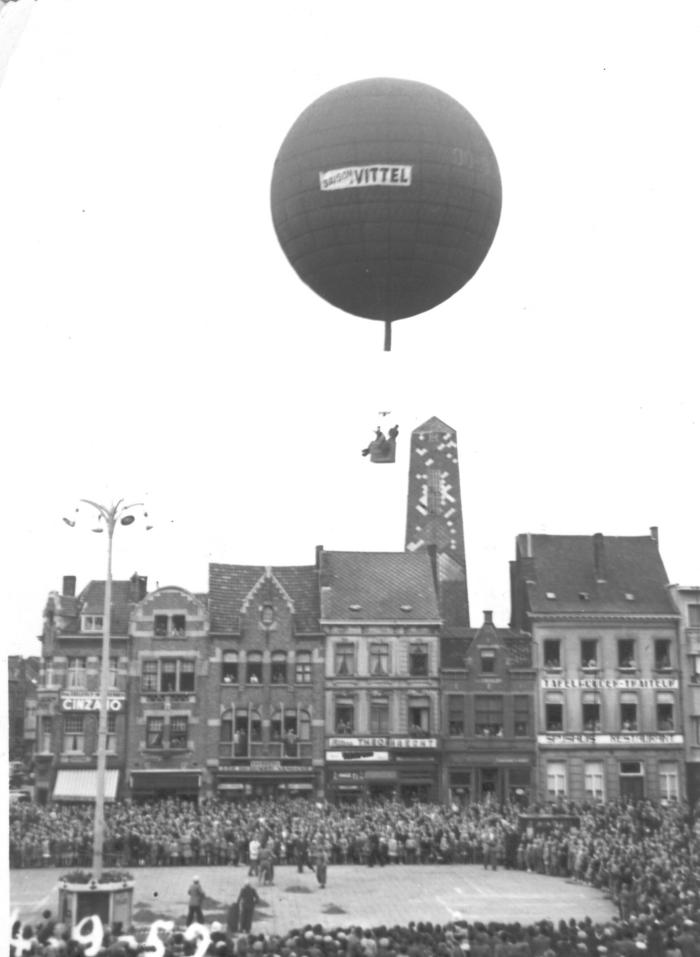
x=668 y=780
x=229 y=668
x=278 y=673
x=521 y=716
x=74 y=733
x=378 y=659
x=625 y=654
x=552 y=654
x=302 y=668
x=344 y=717
x=178 y=731
x=554 y=716
x=589 y=653
x=488 y=720
x=418 y=660
x=664 y=714
x=487 y=660
x=379 y=716
x=419 y=717
x=254 y=668
x=344 y=659
x=154 y=732
x=455 y=715
x=111 y=744
x=628 y=715
x=593 y=776
x=591 y=716
x=662 y=654
x=76 y=675
x=556 y=779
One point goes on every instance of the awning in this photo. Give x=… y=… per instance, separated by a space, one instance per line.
x=300 y=786
x=225 y=786
x=166 y=779
x=80 y=784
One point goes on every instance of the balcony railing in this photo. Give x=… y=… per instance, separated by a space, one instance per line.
x=271 y=750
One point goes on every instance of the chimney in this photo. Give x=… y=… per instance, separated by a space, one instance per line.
x=488 y=617
x=654 y=533
x=138 y=586
x=432 y=554
x=599 y=557
x=68 y=586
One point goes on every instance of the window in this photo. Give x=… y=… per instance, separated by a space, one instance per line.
x=695 y=669
x=344 y=717
x=290 y=734
x=254 y=668
x=487 y=659
x=593 y=780
x=168 y=675
x=302 y=668
x=552 y=653
x=178 y=731
x=664 y=712
x=344 y=659
x=488 y=720
x=74 y=733
x=625 y=653
x=668 y=780
x=591 y=715
x=556 y=779
x=521 y=716
x=662 y=654
x=418 y=660
x=695 y=729
x=694 y=616
x=154 y=732
x=226 y=734
x=77 y=674
x=45 y=739
x=455 y=715
x=278 y=674
x=111 y=744
x=169 y=626
x=229 y=668
x=554 y=716
x=255 y=724
x=589 y=653
x=419 y=716
x=378 y=659
x=379 y=716
x=628 y=714
x=304 y=726
x=241 y=733
x=93 y=622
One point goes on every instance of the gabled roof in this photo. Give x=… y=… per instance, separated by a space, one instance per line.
x=433 y=424
x=231 y=585
x=387 y=586
x=91 y=601
x=454 y=648
x=630 y=578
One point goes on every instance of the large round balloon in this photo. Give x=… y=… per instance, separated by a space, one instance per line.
x=386 y=197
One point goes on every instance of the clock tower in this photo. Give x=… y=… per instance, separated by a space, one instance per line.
x=434 y=515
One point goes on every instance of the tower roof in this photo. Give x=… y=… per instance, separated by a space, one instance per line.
x=433 y=424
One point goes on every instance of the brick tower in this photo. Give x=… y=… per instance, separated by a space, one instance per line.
x=434 y=515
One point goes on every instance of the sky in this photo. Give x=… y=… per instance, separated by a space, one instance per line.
x=159 y=347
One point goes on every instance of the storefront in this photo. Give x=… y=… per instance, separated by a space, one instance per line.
x=156 y=783
x=483 y=777
x=265 y=779
x=382 y=768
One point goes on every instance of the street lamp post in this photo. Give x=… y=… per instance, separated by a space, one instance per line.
x=110 y=515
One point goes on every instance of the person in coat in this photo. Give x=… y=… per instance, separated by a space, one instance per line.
x=247 y=899
x=196 y=897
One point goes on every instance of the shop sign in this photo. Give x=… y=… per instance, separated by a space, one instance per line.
x=382 y=742
x=357 y=755
x=348 y=776
x=87 y=702
x=605 y=740
x=616 y=684
x=265 y=767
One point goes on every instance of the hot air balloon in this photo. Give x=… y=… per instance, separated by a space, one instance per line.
x=385 y=198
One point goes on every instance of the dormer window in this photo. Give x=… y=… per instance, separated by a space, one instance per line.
x=487 y=657
x=93 y=623
x=550 y=595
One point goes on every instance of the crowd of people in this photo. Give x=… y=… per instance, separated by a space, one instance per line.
x=645 y=857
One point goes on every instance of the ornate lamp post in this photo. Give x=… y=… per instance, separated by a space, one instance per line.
x=118 y=513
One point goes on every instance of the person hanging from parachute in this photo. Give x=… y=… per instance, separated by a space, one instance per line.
x=382 y=448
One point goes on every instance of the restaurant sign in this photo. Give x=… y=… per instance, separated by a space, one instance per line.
x=382 y=743
x=605 y=740
x=619 y=684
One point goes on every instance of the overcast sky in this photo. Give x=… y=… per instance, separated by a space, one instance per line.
x=159 y=347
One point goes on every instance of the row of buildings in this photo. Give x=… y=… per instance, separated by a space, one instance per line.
x=360 y=674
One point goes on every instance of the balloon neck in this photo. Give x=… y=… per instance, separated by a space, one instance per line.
x=387 y=336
